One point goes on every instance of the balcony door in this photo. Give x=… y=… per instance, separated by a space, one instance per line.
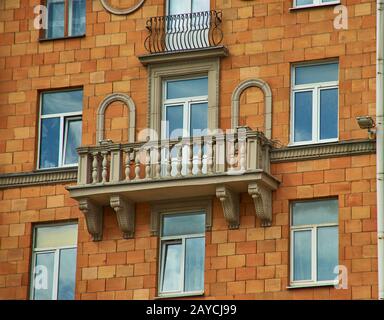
x=185 y=115
x=187 y=24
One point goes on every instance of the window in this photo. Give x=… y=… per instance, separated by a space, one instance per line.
x=182 y=251
x=187 y=6
x=60 y=128
x=66 y=18
x=311 y=3
x=315 y=103
x=185 y=107
x=314 y=242
x=54 y=262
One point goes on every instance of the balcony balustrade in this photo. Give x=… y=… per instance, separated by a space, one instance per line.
x=182 y=32
x=222 y=165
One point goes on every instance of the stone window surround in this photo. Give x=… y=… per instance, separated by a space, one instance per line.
x=159 y=72
x=108 y=100
x=180 y=206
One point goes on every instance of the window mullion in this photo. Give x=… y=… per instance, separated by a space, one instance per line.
x=315 y=116
x=314 y=254
x=66 y=17
x=55 y=285
x=62 y=128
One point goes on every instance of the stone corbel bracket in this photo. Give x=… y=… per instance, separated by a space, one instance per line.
x=94 y=218
x=262 y=199
x=230 y=203
x=125 y=213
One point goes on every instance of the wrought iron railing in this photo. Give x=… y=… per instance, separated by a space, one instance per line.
x=184 y=32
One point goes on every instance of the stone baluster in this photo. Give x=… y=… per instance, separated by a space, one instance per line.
x=200 y=147
x=148 y=163
x=190 y=158
x=158 y=162
x=137 y=164
x=104 y=172
x=179 y=158
x=168 y=160
x=127 y=163
x=210 y=157
x=95 y=167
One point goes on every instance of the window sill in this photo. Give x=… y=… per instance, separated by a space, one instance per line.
x=312 y=6
x=312 y=285
x=316 y=143
x=62 y=38
x=180 y=295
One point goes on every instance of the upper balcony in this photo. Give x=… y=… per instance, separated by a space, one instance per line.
x=186 y=36
x=222 y=165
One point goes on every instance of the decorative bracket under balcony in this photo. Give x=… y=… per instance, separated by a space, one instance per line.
x=125 y=213
x=230 y=203
x=93 y=216
x=262 y=199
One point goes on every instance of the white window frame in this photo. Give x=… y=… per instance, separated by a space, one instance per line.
x=64 y=118
x=56 y=251
x=316 y=88
x=186 y=102
x=316 y=3
x=313 y=228
x=164 y=240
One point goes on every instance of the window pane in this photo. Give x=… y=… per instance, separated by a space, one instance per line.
x=302 y=264
x=187 y=88
x=199 y=119
x=200 y=5
x=315 y=212
x=317 y=73
x=303 y=2
x=194 y=264
x=183 y=224
x=172 y=266
x=56 y=236
x=49 y=143
x=174 y=119
x=43 y=277
x=67 y=274
x=73 y=141
x=55 y=19
x=303 y=116
x=327 y=252
x=77 y=10
x=62 y=102
x=177 y=6
x=328 y=113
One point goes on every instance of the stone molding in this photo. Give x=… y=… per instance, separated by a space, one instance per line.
x=127 y=100
x=117 y=11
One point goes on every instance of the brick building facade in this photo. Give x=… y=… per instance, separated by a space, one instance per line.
x=247 y=255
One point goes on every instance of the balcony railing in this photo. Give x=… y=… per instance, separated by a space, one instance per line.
x=222 y=165
x=184 y=32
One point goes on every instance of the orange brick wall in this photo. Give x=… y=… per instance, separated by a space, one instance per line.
x=263 y=39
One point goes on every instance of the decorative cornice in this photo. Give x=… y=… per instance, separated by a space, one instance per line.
x=320 y=151
x=188 y=55
x=15 y=180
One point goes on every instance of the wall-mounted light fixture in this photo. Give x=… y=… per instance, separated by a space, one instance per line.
x=367 y=122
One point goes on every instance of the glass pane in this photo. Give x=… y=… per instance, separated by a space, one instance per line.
x=43 y=276
x=77 y=10
x=194 y=264
x=62 y=102
x=317 y=73
x=302 y=264
x=303 y=116
x=73 y=141
x=200 y=5
x=327 y=252
x=328 y=113
x=67 y=274
x=187 y=88
x=56 y=236
x=172 y=267
x=199 y=119
x=177 y=6
x=55 y=18
x=303 y=2
x=183 y=224
x=49 y=143
x=174 y=119
x=315 y=212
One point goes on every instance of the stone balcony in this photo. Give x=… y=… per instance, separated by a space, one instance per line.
x=222 y=166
